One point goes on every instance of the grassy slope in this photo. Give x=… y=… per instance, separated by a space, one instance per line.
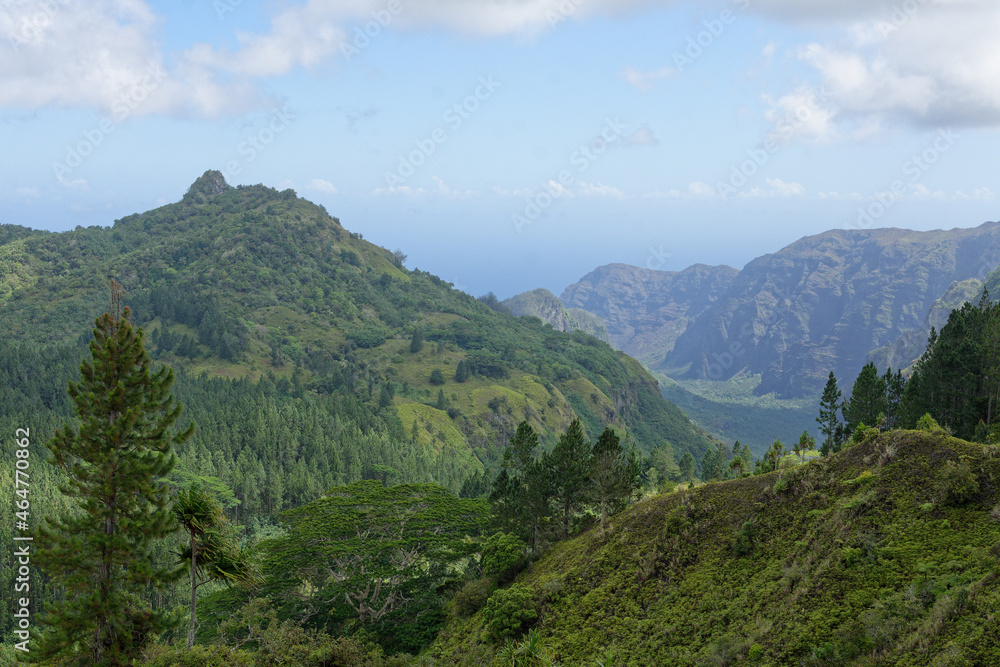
x=857 y=559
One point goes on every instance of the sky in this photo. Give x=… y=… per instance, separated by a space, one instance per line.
x=506 y=145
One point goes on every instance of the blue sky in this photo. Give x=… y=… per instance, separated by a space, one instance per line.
x=511 y=144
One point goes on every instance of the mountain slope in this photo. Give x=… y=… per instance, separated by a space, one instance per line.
x=885 y=554
x=911 y=344
x=544 y=305
x=647 y=310
x=251 y=282
x=824 y=302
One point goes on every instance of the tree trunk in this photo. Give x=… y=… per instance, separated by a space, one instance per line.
x=194 y=588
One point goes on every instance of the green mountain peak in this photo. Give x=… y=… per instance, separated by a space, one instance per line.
x=208 y=185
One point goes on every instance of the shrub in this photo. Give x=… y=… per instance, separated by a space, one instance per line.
x=928 y=423
x=957 y=483
x=437 y=377
x=471 y=597
x=743 y=543
x=501 y=552
x=508 y=611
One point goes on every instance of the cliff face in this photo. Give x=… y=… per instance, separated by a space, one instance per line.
x=645 y=310
x=911 y=344
x=544 y=305
x=824 y=302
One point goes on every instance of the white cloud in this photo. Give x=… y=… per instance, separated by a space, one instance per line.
x=320 y=185
x=643 y=81
x=642 y=137
x=442 y=190
x=600 y=190
x=777 y=188
x=699 y=189
x=669 y=194
x=783 y=189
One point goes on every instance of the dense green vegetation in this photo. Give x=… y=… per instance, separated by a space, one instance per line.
x=883 y=554
x=388 y=472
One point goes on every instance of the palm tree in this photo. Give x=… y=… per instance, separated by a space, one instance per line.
x=212 y=550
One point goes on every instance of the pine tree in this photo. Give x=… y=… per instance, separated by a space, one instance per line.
x=688 y=467
x=895 y=387
x=867 y=404
x=614 y=475
x=416 y=340
x=829 y=406
x=101 y=554
x=569 y=470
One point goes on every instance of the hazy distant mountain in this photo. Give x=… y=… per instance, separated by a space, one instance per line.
x=645 y=310
x=544 y=305
x=906 y=349
x=824 y=302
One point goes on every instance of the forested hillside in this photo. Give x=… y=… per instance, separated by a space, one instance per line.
x=885 y=554
x=306 y=357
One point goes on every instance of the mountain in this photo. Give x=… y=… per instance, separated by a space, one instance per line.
x=884 y=554
x=646 y=310
x=249 y=282
x=906 y=349
x=544 y=305
x=824 y=302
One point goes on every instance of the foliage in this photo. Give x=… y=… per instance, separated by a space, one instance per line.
x=568 y=466
x=472 y=596
x=957 y=482
x=212 y=553
x=508 y=611
x=528 y=653
x=957 y=380
x=373 y=554
x=827 y=572
x=500 y=552
x=102 y=554
x=614 y=475
x=868 y=403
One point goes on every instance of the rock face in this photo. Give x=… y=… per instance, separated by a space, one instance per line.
x=544 y=305
x=824 y=302
x=911 y=344
x=645 y=310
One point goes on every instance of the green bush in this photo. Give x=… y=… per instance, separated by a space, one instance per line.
x=437 y=377
x=501 y=552
x=928 y=423
x=198 y=656
x=957 y=483
x=471 y=597
x=743 y=543
x=508 y=611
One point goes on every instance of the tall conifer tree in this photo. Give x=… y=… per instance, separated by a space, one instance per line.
x=101 y=554
x=569 y=468
x=829 y=406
